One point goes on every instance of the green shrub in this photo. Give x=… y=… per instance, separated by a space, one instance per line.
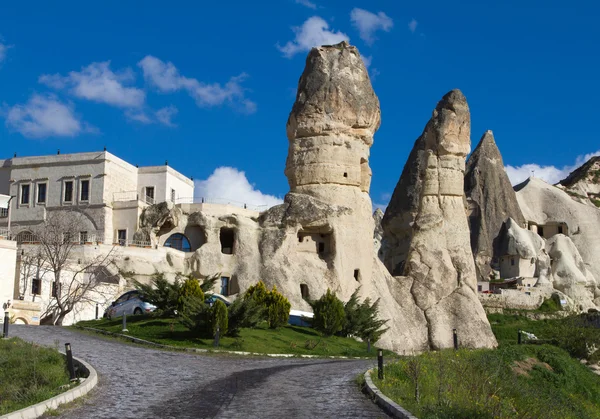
x=197 y=318
x=162 y=293
x=362 y=319
x=257 y=292
x=244 y=313
x=189 y=289
x=329 y=316
x=218 y=318
x=278 y=309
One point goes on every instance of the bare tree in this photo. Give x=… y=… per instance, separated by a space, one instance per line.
x=73 y=275
x=32 y=266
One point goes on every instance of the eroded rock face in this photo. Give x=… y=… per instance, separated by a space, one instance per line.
x=491 y=201
x=426 y=234
x=546 y=204
x=570 y=274
x=584 y=182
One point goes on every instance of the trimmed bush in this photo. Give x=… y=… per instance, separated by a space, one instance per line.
x=190 y=289
x=257 y=292
x=278 y=309
x=329 y=316
x=218 y=318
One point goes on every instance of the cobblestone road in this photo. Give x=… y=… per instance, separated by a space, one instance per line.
x=138 y=382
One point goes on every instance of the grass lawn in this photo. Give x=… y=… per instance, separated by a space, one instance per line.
x=289 y=339
x=29 y=374
x=513 y=381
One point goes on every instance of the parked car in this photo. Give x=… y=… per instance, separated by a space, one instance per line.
x=131 y=302
x=211 y=298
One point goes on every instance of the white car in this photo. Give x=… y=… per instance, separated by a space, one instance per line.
x=131 y=302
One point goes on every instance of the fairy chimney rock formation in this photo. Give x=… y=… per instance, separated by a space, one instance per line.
x=322 y=236
x=426 y=233
x=331 y=126
x=491 y=201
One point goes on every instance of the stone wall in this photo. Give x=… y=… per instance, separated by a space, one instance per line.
x=8 y=266
x=513 y=299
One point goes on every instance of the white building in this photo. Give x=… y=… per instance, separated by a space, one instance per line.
x=110 y=192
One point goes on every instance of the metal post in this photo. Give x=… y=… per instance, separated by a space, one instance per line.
x=380 y=364
x=519 y=338
x=124 y=323
x=368 y=345
x=6 y=322
x=455 y=336
x=216 y=342
x=70 y=365
x=96 y=311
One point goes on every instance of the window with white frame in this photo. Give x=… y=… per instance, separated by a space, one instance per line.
x=42 y=189
x=68 y=191
x=173 y=194
x=150 y=194
x=25 y=189
x=84 y=190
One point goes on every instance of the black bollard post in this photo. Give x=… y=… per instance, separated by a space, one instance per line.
x=124 y=323
x=216 y=342
x=368 y=345
x=380 y=364
x=96 y=311
x=6 y=323
x=70 y=365
x=519 y=338
x=455 y=336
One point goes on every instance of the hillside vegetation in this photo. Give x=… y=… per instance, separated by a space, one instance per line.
x=533 y=380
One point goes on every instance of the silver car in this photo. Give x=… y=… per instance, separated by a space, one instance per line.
x=129 y=303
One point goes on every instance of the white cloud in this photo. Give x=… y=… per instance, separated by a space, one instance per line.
x=165 y=115
x=167 y=79
x=98 y=83
x=45 y=116
x=412 y=25
x=368 y=23
x=307 y=3
x=138 y=115
x=550 y=174
x=314 y=32
x=228 y=184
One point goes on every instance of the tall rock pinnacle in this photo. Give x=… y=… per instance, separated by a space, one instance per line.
x=491 y=200
x=426 y=234
x=331 y=126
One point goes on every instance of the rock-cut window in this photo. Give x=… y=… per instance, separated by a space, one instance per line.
x=180 y=242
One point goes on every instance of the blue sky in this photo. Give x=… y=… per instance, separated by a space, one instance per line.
x=208 y=86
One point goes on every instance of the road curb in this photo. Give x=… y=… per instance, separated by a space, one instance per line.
x=39 y=409
x=387 y=404
x=218 y=351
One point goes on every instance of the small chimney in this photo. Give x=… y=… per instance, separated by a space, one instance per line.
x=58 y=152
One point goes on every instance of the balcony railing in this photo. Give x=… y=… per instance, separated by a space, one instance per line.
x=133 y=243
x=27 y=237
x=222 y=201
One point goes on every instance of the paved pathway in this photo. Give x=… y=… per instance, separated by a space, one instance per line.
x=139 y=382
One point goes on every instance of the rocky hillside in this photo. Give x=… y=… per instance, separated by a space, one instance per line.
x=583 y=184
